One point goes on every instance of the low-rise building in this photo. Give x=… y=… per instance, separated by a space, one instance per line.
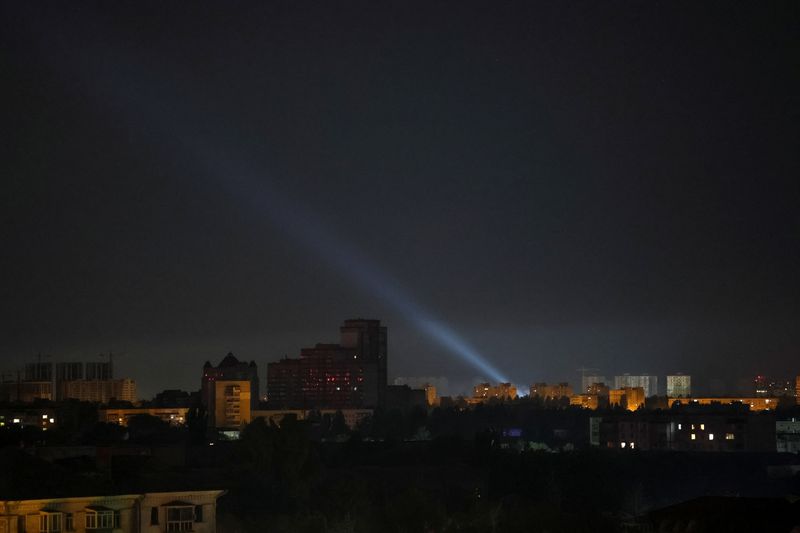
x=587 y=401
x=175 y=416
x=787 y=435
x=41 y=417
x=630 y=398
x=352 y=417
x=154 y=512
x=483 y=392
x=558 y=390
x=706 y=431
x=755 y=403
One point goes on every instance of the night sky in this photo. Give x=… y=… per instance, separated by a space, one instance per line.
x=612 y=185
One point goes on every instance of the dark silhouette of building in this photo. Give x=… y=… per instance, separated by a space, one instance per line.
x=99 y=370
x=368 y=338
x=351 y=374
x=69 y=371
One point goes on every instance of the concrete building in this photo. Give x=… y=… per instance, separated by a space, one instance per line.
x=787 y=436
x=679 y=386
x=175 y=416
x=441 y=384
x=39 y=371
x=630 y=398
x=40 y=417
x=646 y=382
x=755 y=404
x=689 y=431
x=69 y=371
x=431 y=397
x=154 y=512
x=404 y=397
x=233 y=403
x=588 y=381
x=352 y=417
x=370 y=341
x=98 y=391
x=99 y=370
x=484 y=392
x=348 y=375
x=543 y=390
x=229 y=391
x=587 y=401
x=26 y=391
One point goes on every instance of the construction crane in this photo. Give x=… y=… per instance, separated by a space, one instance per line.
x=110 y=356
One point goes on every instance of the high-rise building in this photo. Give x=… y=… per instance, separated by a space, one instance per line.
x=588 y=381
x=98 y=390
x=233 y=403
x=369 y=340
x=348 y=375
x=69 y=371
x=39 y=371
x=99 y=370
x=225 y=389
x=679 y=386
x=646 y=382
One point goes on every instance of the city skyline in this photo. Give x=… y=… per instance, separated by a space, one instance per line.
x=544 y=196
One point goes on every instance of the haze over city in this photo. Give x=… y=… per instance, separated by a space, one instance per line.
x=560 y=187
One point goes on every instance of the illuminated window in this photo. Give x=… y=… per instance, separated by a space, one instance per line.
x=680 y=426
x=729 y=436
x=622 y=444
x=693 y=437
x=692 y=426
x=49 y=522
x=710 y=436
x=702 y=426
x=633 y=444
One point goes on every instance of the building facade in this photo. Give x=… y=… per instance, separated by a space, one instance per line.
x=348 y=375
x=646 y=382
x=175 y=416
x=229 y=392
x=588 y=381
x=156 y=512
x=755 y=404
x=679 y=386
x=99 y=391
x=543 y=390
x=483 y=392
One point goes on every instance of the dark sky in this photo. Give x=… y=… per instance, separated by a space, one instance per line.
x=563 y=183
